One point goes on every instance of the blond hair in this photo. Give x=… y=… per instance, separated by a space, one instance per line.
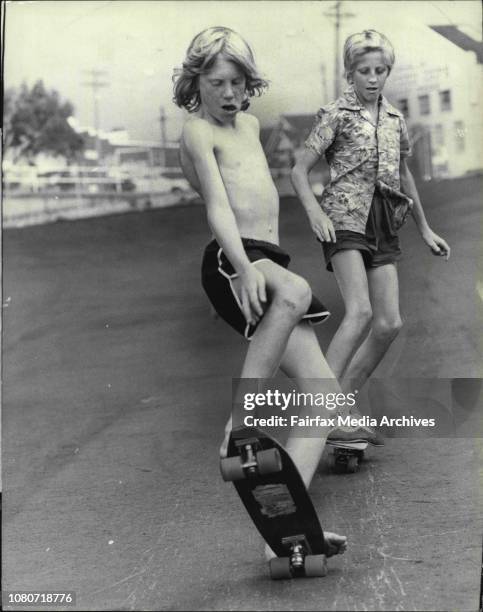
x=200 y=57
x=364 y=42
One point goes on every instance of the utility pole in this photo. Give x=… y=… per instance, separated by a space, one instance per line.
x=325 y=97
x=95 y=84
x=335 y=11
x=162 y=121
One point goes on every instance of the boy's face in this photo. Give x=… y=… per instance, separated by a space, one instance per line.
x=222 y=90
x=369 y=76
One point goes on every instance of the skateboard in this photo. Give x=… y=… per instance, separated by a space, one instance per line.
x=346 y=455
x=275 y=496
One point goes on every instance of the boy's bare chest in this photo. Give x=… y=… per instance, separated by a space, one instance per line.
x=242 y=152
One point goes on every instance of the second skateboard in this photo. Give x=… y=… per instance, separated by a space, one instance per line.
x=346 y=456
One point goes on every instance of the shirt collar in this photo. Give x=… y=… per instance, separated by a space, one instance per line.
x=350 y=101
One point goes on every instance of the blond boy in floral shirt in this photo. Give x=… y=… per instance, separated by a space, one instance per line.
x=370 y=194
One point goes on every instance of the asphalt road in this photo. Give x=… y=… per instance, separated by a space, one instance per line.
x=117 y=384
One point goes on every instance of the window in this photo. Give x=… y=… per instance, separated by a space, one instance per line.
x=438 y=135
x=424 y=108
x=403 y=104
x=445 y=100
x=460 y=132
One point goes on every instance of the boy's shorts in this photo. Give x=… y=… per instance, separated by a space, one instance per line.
x=217 y=274
x=378 y=246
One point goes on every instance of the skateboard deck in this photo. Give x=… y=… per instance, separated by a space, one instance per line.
x=346 y=455
x=274 y=494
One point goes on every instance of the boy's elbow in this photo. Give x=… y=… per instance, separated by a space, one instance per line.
x=216 y=211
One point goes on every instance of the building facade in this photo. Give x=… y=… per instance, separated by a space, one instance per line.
x=439 y=89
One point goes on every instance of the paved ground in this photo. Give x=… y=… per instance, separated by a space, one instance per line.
x=116 y=388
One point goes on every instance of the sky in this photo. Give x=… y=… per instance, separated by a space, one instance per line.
x=139 y=43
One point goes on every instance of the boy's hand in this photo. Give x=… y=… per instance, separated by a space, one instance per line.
x=253 y=294
x=322 y=226
x=438 y=245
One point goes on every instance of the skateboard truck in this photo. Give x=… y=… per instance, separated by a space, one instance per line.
x=250 y=464
x=251 y=461
x=300 y=562
x=298 y=547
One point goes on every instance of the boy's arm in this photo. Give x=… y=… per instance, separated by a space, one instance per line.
x=437 y=244
x=198 y=139
x=319 y=221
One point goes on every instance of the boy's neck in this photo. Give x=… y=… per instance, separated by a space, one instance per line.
x=372 y=107
x=229 y=122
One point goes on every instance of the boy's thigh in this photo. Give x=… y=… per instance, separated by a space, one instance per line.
x=351 y=275
x=278 y=280
x=384 y=290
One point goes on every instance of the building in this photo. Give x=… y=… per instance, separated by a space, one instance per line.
x=277 y=144
x=116 y=149
x=437 y=84
x=438 y=87
x=110 y=162
x=282 y=141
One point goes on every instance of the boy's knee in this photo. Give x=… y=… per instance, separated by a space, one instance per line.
x=361 y=315
x=385 y=329
x=293 y=296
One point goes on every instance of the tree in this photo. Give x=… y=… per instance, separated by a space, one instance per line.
x=36 y=122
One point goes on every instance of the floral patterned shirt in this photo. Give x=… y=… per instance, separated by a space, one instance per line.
x=361 y=156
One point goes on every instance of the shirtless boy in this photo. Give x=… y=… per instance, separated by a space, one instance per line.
x=244 y=271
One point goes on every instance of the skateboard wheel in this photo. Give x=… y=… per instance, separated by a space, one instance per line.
x=315 y=565
x=269 y=461
x=352 y=464
x=280 y=568
x=231 y=468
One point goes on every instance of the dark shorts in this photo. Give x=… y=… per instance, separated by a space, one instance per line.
x=217 y=274
x=378 y=246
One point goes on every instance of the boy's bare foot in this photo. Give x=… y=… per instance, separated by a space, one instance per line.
x=336 y=545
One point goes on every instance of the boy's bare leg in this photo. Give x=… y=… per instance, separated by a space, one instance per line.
x=351 y=277
x=386 y=323
x=304 y=361
x=289 y=297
